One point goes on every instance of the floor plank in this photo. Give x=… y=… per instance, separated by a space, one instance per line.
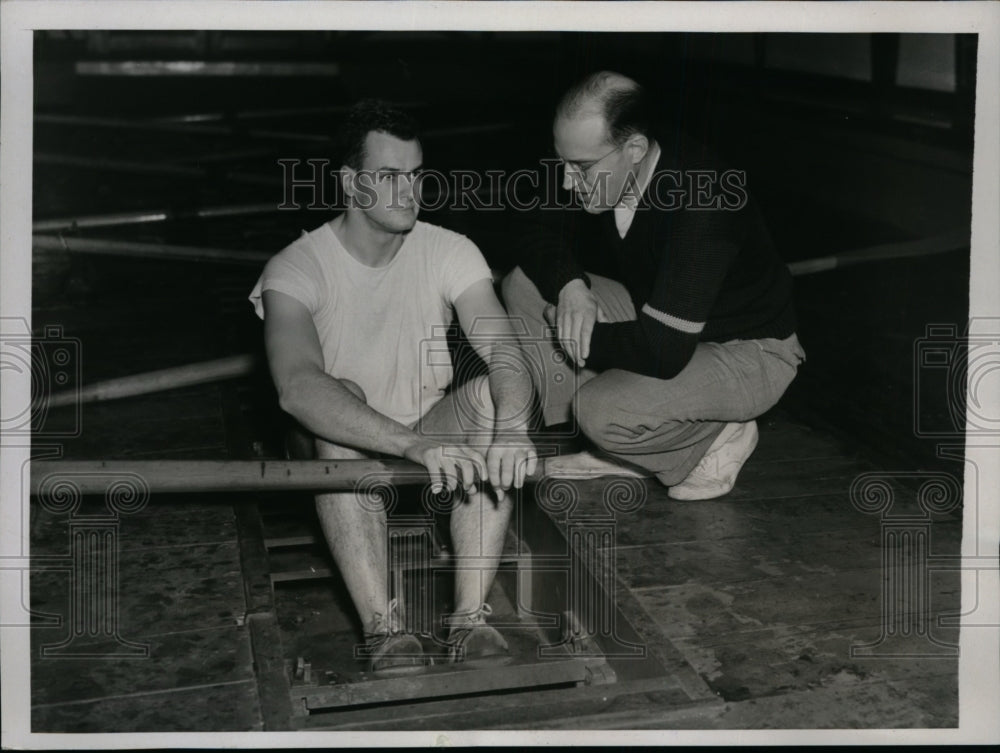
x=661 y=520
x=776 y=553
x=775 y=660
x=781 y=440
x=846 y=704
x=159 y=591
x=711 y=609
x=163 y=523
x=213 y=708
x=175 y=661
x=864 y=704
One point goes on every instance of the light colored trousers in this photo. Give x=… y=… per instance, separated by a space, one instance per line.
x=663 y=425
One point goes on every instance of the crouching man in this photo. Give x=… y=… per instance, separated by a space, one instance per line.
x=667 y=296
x=346 y=310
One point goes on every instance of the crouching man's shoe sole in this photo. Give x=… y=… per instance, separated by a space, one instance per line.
x=716 y=474
x=587 y=465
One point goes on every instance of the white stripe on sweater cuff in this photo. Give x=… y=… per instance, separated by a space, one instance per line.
x=692 y=328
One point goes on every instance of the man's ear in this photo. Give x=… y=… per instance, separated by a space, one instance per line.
x=636 y=147
x=348 y=176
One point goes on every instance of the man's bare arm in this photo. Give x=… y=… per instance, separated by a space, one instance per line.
x=326 y=407
x=488 y=328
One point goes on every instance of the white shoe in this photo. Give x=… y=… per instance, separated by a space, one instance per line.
x=716 y=474
x=584 y=465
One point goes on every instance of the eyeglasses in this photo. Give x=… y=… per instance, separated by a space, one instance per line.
x=583 y=168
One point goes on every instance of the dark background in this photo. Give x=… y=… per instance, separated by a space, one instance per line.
x=848 y=140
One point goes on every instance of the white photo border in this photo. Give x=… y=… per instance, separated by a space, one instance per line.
x=979 y=664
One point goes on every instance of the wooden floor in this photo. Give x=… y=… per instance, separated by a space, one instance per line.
x=755 y=599
x=766 y=591
x=762 y=594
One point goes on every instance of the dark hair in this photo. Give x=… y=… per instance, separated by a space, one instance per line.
x=622 y=102
x=367 y=116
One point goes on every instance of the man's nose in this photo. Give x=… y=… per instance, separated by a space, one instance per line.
x=406 y=186
x=570 y=180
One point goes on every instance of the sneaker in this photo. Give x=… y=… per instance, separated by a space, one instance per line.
x=584 y=465
x=473 y=642
x=391 y=651
x=716 y=474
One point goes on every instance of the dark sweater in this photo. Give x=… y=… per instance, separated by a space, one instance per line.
x=694 y=275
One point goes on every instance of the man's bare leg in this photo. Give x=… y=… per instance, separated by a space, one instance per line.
x=478 y=521
x=355 y=531
x=479 y=529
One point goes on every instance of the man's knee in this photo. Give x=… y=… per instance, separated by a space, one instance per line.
x=355 y=389
x=520 y=296
x=342 y=508
x=510 y=285
x=596 y=411
x=477 y=413
x=480 y=390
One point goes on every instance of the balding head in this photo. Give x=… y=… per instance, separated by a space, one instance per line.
x=601 y=133
x=617 y=100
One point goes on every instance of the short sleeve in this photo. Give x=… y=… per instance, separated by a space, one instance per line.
x=293 y=272
x=462 y=265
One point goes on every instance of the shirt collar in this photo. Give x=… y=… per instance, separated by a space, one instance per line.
x=631 y=199
x=625 y=209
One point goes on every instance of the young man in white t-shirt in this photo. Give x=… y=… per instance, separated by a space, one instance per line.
x=348 y=311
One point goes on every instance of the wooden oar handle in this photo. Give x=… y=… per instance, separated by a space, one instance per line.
x=159 y=476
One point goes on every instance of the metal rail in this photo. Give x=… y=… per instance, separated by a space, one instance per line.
x=157 y=381
x=953 y=240
x=117 y=219
x=136 y=250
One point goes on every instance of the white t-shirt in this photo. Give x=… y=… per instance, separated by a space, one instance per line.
x=381 y=327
